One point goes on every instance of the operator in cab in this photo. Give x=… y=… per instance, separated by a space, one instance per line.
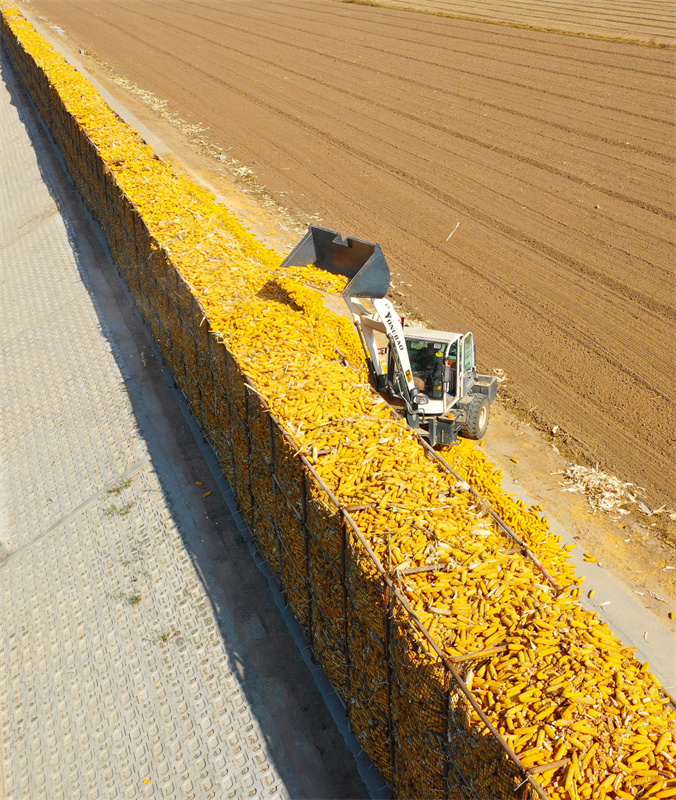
x=427 y=365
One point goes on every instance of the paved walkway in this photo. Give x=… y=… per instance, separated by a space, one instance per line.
x=141 y=655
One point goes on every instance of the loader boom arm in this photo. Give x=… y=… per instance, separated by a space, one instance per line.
x=384 y=320
x=395 y=334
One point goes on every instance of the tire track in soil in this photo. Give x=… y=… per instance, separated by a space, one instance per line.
x=669 y=159
x=640 y=92
x=535 y=42
x=526 y=50
x=416 y=119
x=624 y=19
x=496 y=149
x=566 y=322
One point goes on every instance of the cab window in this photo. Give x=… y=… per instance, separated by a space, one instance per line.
x=427 y=365
x=468 y=353
x=452 y=362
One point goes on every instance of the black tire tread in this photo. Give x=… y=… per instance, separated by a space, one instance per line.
x=470 y=429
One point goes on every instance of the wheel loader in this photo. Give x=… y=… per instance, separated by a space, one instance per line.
x=429 y=375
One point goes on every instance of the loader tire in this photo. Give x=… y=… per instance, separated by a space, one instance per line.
x=478 y=413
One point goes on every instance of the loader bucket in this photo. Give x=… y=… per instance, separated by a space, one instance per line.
x=362 y=262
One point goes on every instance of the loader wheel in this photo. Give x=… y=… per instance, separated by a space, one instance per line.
x=477 y=418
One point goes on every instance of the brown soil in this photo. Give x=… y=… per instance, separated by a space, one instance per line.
x=555 y=154
x=617 y=20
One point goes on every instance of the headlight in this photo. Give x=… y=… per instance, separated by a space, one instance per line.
x=422 y=399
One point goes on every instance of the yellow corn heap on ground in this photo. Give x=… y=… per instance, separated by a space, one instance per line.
x=555 y=682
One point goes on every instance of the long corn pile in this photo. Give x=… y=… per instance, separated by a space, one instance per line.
x=466 y=673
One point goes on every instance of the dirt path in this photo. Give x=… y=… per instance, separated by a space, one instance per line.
x=555 y=154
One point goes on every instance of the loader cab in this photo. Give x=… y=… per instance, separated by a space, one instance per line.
x=428 y=365
x=442 y=364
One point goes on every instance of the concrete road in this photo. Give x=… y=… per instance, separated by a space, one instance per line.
x=141 y=651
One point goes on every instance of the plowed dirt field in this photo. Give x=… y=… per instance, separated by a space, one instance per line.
x=650 y=21
x=554 y=154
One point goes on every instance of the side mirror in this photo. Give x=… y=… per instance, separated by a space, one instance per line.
x=418 y=398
